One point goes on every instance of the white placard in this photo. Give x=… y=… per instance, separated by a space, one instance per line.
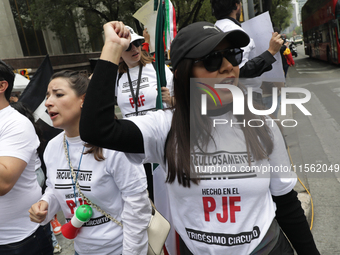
x=260 y=28
x=148 y=17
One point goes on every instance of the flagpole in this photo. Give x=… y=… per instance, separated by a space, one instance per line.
x=160 y=62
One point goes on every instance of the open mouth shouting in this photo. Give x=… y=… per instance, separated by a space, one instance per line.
x=53 y=115
x=229 y=80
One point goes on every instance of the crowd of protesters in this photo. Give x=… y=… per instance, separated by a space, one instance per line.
x=98 y=159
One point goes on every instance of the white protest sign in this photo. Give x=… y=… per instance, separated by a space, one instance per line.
x=147 y=16
x=260 y=28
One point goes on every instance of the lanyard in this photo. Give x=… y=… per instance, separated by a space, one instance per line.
x=73 y=183
x=135 y=98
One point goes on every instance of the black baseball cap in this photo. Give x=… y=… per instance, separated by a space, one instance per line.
x=198 y=39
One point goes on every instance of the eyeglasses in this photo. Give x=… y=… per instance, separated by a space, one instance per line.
x=213 y=61
x=137 y=43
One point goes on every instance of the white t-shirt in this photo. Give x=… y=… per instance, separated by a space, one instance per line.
x=18 y=139
x=228 y=212
x=147 y=91
x=249 y=52
x=112 y=184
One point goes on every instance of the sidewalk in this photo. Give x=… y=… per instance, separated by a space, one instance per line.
x=66 y=244
x=302 y=193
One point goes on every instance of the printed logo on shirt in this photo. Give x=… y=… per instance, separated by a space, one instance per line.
x=221 y=165
x=134 y=83
x=223 y=239
x=140 y=112
x=230 y=206
x=140 y=102
x=94 y=222
x=128 y=90
x=65 y=174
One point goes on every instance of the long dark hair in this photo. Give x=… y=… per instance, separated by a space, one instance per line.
x=177 y=147
x=79 y=82
x=181 y=141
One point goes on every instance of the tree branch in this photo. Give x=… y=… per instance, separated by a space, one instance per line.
x=88 y=8
x=200 y=3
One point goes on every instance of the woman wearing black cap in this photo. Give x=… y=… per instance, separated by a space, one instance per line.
x=222 y=180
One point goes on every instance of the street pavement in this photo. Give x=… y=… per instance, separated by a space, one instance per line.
x=315 y=141
x=66 y=244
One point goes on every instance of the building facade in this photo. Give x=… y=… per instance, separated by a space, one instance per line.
x=22 y=44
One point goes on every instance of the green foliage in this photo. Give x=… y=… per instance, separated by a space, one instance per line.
x=61 y=16
x=191 y=11
x=298 y=30
x=64 y=17
x=281 y=13
x=290 y=35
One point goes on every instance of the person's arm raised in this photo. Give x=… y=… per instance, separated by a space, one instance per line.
x=98 y=125
x=117 y=39
x=262 y=63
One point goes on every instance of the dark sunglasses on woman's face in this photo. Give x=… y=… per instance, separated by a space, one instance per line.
x=137 y=43
x=213 y=61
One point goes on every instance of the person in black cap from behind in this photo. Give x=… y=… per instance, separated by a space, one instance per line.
x=227 y=13
x=214 y=210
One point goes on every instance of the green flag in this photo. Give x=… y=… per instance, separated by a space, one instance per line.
x=160 y=62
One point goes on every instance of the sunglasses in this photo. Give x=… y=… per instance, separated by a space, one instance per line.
x=137 y=43
x=213 y=61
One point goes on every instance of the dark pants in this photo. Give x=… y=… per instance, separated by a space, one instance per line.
x=285 y=70
x=39 y=243
x=282 y=246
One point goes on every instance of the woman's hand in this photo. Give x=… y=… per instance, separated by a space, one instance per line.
x=275 y=43
x=117 y=40
x=166 y=98
x=146 y=36
x=38 y=211
x=116 y=32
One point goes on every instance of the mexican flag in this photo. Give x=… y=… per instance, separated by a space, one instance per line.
x=165 y=27
x=170 y=24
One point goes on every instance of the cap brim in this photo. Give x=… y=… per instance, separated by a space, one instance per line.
x=237 y=38
x=136 y=37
